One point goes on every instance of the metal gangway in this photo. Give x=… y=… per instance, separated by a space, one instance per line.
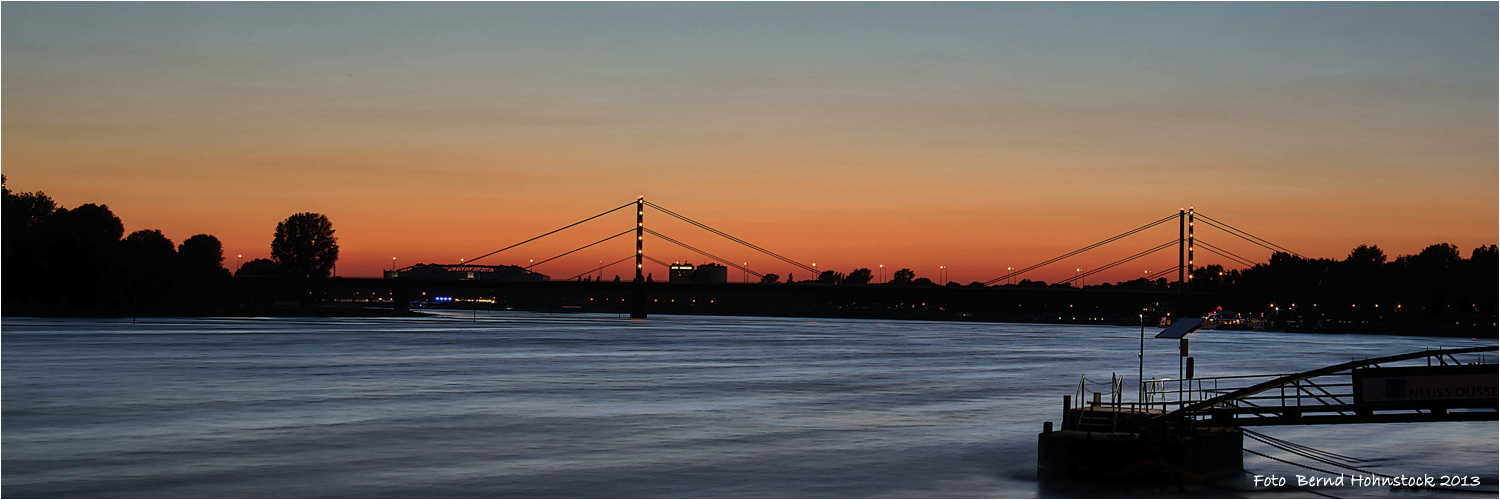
x=1423 y=386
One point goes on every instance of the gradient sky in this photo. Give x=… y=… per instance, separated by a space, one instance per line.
x=971 y=135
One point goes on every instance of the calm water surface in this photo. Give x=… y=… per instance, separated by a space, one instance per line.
x=534 y=405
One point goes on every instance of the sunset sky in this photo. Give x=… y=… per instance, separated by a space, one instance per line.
x=974 y=136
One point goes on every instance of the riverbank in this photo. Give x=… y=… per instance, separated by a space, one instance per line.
x=1439 y=327
x=294 y=311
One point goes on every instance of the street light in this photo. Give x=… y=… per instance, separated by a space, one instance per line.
x=1075 y=274
x=237 y=262
x=882 y=273
x=1011 y=279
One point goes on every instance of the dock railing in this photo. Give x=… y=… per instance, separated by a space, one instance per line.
x=1324 y=395
x=1170 y=394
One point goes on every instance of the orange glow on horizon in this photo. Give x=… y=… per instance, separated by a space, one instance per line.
x=877 y=143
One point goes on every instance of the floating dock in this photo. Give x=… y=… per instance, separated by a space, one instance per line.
x=1189 y=429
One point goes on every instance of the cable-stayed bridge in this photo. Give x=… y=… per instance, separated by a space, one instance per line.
x=1187 y=243
x=477 y=284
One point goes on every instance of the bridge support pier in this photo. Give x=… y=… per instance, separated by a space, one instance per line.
x=638 y=305
x=401 y=296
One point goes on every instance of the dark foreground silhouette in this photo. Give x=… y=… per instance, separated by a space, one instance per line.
x=79 y=262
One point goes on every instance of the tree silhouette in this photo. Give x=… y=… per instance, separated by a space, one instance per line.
x=80 y=244
x=26 y=259
x=259 y=268
x=859 y=276
x=770 y=279
x=89 y=223
x=25 y=210
x=1367 y=254
x=304 y=246
x=202 y=256
x=148 y=259
x=1439 y=255
x=903 y=277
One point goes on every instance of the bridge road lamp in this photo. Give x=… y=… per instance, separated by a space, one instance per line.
x=393 y=264
x=1075 y=275
x=882 y=273
x=1011 y=280
x=237 y=262
x=943 y=274
x=747 y=272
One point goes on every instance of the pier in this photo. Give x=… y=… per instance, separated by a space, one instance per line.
x=1192 y=428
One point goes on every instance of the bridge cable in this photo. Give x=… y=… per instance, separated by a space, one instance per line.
x=1217 y=222
x=627 y=231
x=663 y=264
x=592 y=271
x=1161 y=274
x=534 y=264
x=550 y=232
x=1081 y=250
x=1237 y=235
x=732 y=238
x=1091 y=272
x=705 y=254
x=1226 y=254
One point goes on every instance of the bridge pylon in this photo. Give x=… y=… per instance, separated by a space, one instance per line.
x=638 y=298
x=1182 y=250
x=640 y=237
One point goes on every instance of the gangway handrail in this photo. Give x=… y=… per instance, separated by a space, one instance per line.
x=1327 y=370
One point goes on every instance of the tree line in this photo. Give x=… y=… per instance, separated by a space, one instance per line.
x=79 y=260
x=76 y=260
x=1437 y=282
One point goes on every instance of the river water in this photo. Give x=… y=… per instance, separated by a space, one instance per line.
x=514 y=404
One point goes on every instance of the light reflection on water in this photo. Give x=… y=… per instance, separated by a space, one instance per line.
x=536 y=405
